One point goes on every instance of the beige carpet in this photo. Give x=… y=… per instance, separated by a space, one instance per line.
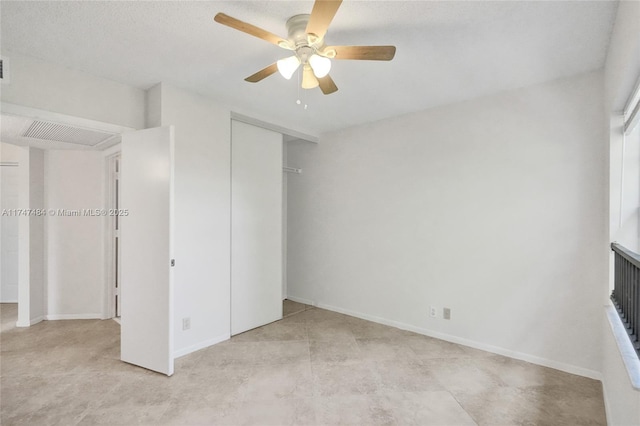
x=313 y=367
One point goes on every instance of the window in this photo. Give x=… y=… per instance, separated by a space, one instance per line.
x=626 y=292
x=632 y=111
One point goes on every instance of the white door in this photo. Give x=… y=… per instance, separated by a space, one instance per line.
x=256 y=227
x=145 y=241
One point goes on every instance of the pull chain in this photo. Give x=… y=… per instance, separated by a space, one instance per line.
x=299 y=102
x=299 y=84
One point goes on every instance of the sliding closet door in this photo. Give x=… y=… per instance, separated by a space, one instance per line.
x=256 y=227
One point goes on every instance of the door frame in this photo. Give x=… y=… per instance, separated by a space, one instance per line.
x=110 y=156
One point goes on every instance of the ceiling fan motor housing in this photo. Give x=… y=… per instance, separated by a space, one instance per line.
x=304 y=44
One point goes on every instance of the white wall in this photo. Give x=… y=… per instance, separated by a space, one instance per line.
x=37 y=265
x=493 y=207
x=622 y=71
x=202 y=214
x=31 y=234
x=9 y=152
x=24 y=268
x=622 y=402
x=51 y=87
x=9 y=194
x=75 y=258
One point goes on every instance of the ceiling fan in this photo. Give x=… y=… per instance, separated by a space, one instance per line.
x=306 y=38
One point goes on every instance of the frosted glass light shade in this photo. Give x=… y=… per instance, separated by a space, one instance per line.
x=288 y=66
x=309 y=81
x=320 y=65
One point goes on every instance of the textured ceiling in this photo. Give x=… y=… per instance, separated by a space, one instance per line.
x=446 y=51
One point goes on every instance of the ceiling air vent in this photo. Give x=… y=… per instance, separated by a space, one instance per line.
x=44 y=130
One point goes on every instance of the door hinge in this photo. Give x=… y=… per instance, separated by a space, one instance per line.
x=173 y=262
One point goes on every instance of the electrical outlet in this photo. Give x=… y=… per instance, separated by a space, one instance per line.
x=186 y=323
x=433 y=312
x=446 y=313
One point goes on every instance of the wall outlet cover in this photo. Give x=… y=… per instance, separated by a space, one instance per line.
x=446 y=313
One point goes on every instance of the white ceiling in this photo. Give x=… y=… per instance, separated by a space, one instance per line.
x=446 y=51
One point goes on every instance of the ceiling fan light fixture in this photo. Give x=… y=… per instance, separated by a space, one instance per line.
x=320 y=65
x=305 y=36
x=288 y=66
x=329 y=53
x=309 y=80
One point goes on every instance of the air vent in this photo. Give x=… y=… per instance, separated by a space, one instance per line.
x=60 y=133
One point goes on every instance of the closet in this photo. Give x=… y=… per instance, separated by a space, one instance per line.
x=256 y=226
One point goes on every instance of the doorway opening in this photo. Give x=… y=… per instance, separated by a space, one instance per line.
x=113 y=241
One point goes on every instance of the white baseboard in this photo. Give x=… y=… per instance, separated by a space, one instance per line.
x=55 y=317
x=30 y=322
x=568 y=368
x=200 y=345
x=301 y=300
x=9 y=301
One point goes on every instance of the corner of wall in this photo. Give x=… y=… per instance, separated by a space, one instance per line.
x=153 y=106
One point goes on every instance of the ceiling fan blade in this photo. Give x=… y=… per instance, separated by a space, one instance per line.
x=327 y=85
x=234 y=23
x=262 y=74
x=321 y=16
x=369 y=53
